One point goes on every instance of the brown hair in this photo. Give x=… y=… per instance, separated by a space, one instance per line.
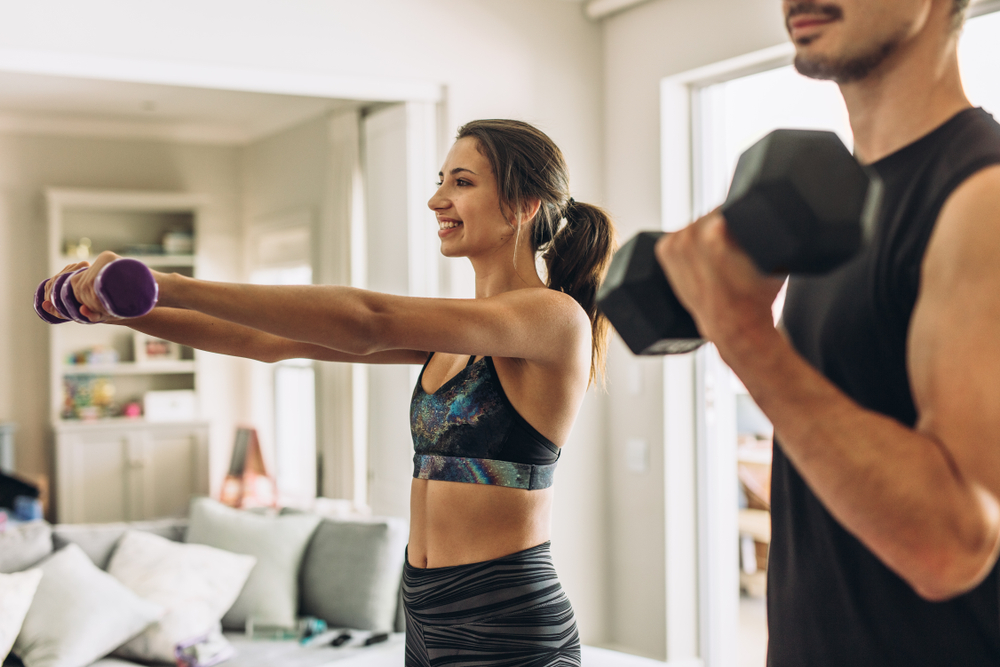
x=958 y=13
x=528 y=165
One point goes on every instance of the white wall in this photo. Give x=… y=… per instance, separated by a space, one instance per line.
x=538 y=60
x=30 y=164
x=642 y=46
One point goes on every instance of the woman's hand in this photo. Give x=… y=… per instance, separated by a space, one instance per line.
x=47 y=303
x=84 y=288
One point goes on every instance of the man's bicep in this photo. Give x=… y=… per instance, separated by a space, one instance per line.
x=954 y=339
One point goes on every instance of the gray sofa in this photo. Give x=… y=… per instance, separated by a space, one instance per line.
x=349 y=576
x=348 y=561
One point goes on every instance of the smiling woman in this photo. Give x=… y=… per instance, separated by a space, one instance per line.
x=504 y=375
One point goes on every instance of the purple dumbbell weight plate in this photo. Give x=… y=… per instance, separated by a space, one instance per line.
x=65 y=299
x=39 y=298
x=126 y=288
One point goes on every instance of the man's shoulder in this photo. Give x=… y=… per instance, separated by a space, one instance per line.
x=976 y=137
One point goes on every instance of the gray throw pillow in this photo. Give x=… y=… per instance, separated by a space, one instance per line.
x=351 y=573
x=98 y=540
x=79 y=613
x=271 y=593
x=24 y=545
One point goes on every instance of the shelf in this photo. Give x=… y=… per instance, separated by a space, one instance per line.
x=121 y=423
x=132 y=368
x=149 y=260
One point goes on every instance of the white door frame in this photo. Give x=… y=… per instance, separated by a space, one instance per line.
x=700 y=429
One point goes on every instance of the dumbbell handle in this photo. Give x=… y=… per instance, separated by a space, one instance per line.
x=125 y=287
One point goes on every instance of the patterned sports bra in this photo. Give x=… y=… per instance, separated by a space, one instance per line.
x=468 y=431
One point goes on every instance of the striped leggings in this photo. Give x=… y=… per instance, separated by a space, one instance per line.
x=508 y=612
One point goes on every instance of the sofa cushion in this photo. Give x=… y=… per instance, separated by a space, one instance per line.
x=16 y=592
x=351 y=573
x=195 y=583
x=23 y=545
x=271 y=593
x=79 y=613
x=98 y=540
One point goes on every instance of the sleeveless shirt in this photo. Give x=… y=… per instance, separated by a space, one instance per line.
x=830 y=601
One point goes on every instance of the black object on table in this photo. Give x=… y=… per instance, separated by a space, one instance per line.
x=341 y=639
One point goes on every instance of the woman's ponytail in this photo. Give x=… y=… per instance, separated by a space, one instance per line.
x=576 y=240
x=576 y=260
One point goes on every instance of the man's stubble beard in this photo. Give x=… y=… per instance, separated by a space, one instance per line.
x=848 y=69
x=842 y=70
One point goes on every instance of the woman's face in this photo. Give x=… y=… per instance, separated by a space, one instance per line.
x=467 y=205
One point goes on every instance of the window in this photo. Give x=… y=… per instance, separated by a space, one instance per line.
x=283 y=395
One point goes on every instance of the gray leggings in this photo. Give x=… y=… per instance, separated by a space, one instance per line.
x=508 y=612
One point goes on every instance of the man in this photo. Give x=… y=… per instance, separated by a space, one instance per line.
x=884 y=383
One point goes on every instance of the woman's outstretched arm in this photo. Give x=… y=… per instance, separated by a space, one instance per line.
x=535 y=324
x=203 y=332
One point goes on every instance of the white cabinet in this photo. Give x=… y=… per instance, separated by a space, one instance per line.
x=129 y=471
x=111 y=463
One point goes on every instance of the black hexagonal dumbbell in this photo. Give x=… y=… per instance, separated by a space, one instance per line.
x=799 y=203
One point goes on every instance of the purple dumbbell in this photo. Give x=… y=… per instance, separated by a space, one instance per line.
x=125 y=287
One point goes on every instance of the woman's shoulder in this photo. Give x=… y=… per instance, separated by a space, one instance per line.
x=548 y=298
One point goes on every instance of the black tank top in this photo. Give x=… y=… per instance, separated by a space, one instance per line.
x=830 y=601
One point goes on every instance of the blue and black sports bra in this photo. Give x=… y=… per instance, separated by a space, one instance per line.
x=468 y=431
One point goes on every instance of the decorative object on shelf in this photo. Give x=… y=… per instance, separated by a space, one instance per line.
x=79 y=250
x=88 y=397
x=177 y=242
x=179 y=405
x=132 y=410
x=247 y=483
x=97 y=354
x=140 y=249
x=151 y=350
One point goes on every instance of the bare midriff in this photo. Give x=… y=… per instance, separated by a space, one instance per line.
x=453 y=523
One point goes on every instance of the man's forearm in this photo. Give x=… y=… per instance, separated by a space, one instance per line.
x=896 y=490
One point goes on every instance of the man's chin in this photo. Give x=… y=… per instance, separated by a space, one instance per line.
x=826 y=62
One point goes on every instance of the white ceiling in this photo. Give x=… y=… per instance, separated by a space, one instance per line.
x=39 y=103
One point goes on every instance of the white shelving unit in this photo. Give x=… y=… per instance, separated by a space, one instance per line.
x=110 y=467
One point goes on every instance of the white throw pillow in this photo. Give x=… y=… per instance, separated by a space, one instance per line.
x=16 y=592
x=80 y=613
x=196 y=584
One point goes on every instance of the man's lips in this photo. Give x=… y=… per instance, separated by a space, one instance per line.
x=805 y=16
x=805 y=22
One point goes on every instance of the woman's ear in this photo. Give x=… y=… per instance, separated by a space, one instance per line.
x=531 y=209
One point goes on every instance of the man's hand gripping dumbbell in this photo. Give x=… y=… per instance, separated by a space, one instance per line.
x=799 y=203
x=113 y=287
